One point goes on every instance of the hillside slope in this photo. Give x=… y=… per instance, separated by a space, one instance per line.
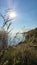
x=30 y=38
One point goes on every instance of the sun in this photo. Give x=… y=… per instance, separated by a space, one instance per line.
x=12 y=15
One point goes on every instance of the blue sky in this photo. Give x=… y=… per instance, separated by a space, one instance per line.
x=26 y=13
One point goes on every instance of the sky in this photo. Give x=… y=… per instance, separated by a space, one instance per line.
x=26 y=11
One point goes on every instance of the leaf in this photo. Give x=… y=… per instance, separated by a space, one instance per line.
x=10 y=30
x=9 y=26
x=2 y=16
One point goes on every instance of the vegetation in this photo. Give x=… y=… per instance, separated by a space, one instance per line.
x=31 y=37
x=21 y=54
x=3 y=39
x=18 y=57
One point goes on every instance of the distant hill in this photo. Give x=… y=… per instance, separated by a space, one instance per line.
x=30 y=38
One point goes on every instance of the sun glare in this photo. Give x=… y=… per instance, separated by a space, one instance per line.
x=12 y=15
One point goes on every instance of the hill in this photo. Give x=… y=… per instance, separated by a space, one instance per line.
x=30 y=36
